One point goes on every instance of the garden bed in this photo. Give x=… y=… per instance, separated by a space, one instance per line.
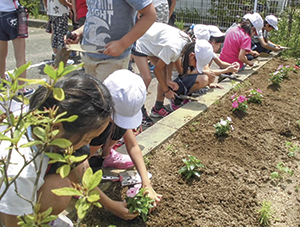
x=237 y=177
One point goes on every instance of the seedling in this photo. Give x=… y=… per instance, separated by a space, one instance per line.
x=138 y=200
x=191 y=167
x=265 y=213
x=223 y=127
x=171 y=148
x=146 y=161
x=255 y=96
x=293 y=148
x=282 y=171
x=276 y=78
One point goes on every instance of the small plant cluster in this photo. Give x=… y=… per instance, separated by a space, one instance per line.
x=280 y=74
x=255 y=96
x=282 y=170
x=293 y=148
x=138 y=201
x=265 y=213
x=223 y=127
x=191 y=168
x=239 y=103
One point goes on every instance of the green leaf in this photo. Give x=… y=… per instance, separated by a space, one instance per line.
x=22 y=69
x=40 y=133
x=13 y=140
x=78 y=159
x=70 y=68
x=60 y=69
x=33 y=81
x=82 y=207
x=87 y=178
x=55 y=156
x=47 y=212
x=93 y=196
x=66 y=191
x=58 y=94
x=50 y=72
x=62 y=143
x=31 y=143
x=64 y=170
x=94 y=180
x=97 y=204
x=69 y=119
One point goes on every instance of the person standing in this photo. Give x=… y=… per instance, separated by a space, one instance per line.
x=8 y=31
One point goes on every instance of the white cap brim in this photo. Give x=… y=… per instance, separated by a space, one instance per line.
x=128 y=122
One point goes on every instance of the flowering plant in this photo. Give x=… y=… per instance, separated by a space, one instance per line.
x=255 y=96
x=223 y=126
x=138 y=200
x=280 y=74
x=239 y=103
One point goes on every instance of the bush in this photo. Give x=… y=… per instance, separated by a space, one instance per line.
x=33 y=6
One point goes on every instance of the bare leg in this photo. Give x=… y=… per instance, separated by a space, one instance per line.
x=9 y=220
x=201 y=82
x=3 y=55
x=19 y=50
x=142 y=64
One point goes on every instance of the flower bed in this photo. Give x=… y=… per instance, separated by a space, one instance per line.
x=238 y=167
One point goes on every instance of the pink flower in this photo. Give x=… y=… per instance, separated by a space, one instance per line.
x=235 y=104
x=242 y=98
x=258 y=90
x=233 y=96
x=132 y=192
x=279 y=67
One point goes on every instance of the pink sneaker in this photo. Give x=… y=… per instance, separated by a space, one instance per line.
x=118 y=160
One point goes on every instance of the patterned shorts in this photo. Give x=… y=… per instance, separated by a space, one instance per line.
x=162 y=12
x=8 y=26
x=59 y=30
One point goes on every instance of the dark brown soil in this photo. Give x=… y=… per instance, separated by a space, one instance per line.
x=238 y=167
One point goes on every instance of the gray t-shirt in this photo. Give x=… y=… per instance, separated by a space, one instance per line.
x=109 y=20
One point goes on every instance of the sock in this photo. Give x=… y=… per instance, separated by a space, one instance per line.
x=159 y=105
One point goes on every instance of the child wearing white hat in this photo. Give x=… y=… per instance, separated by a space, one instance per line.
x=215 y=37
x=262 y=42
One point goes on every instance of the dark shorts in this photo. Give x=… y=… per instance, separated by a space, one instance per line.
x=112 y=131
x=8 y=26
x=185 y=83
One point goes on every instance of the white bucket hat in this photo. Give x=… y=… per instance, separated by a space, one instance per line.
x=256 y=21
x=128 y=92
x=204 y=53
x=272 y=20
x=202 y=31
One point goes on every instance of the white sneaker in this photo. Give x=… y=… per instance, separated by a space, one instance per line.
x=61 y=221
x=70 y=62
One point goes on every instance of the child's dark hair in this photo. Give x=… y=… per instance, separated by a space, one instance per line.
x=186 y=51
x=85 y=96
x=217 y=39
x=246 y=25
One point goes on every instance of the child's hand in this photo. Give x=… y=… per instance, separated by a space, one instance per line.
x=169 y=94
x=236 y=65
x=211 y=75
x=216 y=86
x=255 y=53
x=114 y=48
x=72 y=41
x=232 y=69
x=173 y=85
x=251 y=63
x=153 y=195
x=120 y=209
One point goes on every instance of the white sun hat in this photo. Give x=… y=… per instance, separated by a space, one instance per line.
x=128 y=92
x=272 y=20
x=215 y=31
x=204 y=53
x=201 y=31
x=256 y=21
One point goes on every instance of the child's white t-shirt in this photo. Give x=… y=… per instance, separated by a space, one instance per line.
x=162 y=41
x=55 y=8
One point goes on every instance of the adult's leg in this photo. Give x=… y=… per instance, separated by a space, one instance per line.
x=19 y=50
x=3 y=55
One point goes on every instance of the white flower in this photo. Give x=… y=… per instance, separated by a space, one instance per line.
x=231 y=127
x=229 y=119
x=222 y=122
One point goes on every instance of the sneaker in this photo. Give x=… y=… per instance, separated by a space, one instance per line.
x=146 y=121
x=70 y=62
x=159 y=113
x=26 y=92
x=61 y=221
x=202 y=91
x=174 y=107
x=53 y=57
x=118 y=160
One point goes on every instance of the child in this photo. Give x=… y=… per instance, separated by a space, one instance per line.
x=195 y=58
x=237 y=42
x=91 y=101
x=163 y=44
x=129 y=94
x=215 y=37
x=8 y=31
x=112 y=27
x=262 y=42
x=58 y=12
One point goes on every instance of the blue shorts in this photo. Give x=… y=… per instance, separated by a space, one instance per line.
x=8 y=26
x=185 y=84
